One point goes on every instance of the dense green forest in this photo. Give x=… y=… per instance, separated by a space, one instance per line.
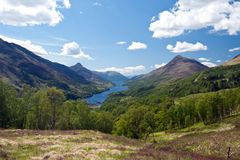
x=203 y=97
x=139 y=121
x=48 y=109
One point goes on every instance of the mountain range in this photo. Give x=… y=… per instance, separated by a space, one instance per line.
x=183 y=76
x=20 y=66
x=180 y=78
x=177 y=68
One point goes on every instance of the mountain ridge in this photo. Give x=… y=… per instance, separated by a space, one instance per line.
x=20 y=66
x=91 y=76
x=179 y=67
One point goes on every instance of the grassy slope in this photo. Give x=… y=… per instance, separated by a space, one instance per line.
x=27 y=144
x=198 y=142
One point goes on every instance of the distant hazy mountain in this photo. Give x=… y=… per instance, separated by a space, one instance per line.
x=20 y=66
x=234 y=61
x=178 y=68
x=112 y=76
x=91 y=76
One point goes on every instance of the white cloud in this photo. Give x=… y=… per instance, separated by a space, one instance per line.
x=234 y=49
x=204 y=59
x=126 y=70
x=73 y=49
x=66 y=3
x=188 y=15
x=97 y=4
x=137 y=46
x=37 y=49
x=181 y=47
x=209 y=64
x=219 y=61
x=159 y=65
x=30 y=13
x=121 y=43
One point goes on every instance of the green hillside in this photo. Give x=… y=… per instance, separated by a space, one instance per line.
x=212 y=79
x=208 y=97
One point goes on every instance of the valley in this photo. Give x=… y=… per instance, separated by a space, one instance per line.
x=183 y=110
x=119 y=80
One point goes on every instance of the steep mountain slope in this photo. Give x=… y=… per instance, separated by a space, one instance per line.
x=178 y=68
x=234 y=61
x=91 y=76
x=20 y=66
x=210 y=80
x=112 y=76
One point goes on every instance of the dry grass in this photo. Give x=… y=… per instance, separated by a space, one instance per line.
x=69 y=145
x=198 y=142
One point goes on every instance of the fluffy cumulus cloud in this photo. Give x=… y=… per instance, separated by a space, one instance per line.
x=204 y=59
x=209 y=64
x=126 y=70
x=30 y=13
x=37 y=49
x=181 y=47
x=73 y=49
x=159 y=65
x=234 y=49
x=188 y=15
x=137 y=46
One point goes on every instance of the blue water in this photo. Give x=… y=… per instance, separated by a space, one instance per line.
x=99 y=98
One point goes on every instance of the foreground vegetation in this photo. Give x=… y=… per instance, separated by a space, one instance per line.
x=198 y=142
x=69 y=145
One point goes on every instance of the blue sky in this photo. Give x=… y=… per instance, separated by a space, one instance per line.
x=151 y=32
